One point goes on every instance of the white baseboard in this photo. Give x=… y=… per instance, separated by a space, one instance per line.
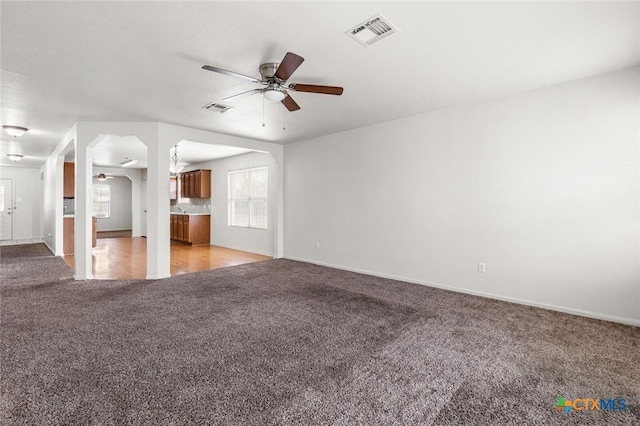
x=82 y=277
x=578 y=312
x=244 y=249
x=53 y=252
x=157 y=277
x=21 y=241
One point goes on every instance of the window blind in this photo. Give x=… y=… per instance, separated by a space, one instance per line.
x=102 y=201
x=248 y=198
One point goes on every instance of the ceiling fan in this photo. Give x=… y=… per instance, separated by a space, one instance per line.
x=102 y=177
x=274 y=76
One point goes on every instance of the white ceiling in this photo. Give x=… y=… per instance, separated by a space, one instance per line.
x=64 y=62
x=113 y=150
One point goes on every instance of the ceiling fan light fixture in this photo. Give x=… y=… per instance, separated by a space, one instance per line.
x=15 y=131
x=128 y=162
x=274 y=93
x=14 y=157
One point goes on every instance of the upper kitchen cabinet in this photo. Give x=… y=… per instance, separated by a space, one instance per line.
x=173 y=188
x=69 y=180
x=196 y=184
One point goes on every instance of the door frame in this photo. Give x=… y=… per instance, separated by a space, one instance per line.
x=11 y=208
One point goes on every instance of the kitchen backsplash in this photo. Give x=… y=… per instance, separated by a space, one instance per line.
x=68 y=206
x=195 y=205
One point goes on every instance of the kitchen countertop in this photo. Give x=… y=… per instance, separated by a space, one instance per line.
x=191 y=214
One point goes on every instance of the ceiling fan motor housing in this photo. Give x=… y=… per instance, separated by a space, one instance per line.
x=268 y=70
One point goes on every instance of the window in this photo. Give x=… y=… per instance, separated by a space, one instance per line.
x=102 y=201
x=248 y=198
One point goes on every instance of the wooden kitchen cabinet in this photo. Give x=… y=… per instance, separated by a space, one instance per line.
x=94 y=232
x=185 y=229
x=68 y=230
x=199 y=229
x=173 y=188
x=192 y=229
x=69 y=180
x=184 y=185
x=196 y=184
x=187 y=187
x=180 y=233
x=173 y=232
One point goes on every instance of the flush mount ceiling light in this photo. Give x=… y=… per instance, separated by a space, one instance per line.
x=274 y=93
x=14 y=157
x=15 y=131
x=128 y=162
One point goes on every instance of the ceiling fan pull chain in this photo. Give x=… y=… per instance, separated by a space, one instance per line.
x=284 y=119
x=263 y=125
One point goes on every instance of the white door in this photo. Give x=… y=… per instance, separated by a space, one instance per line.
x=6 y=209
x=143 y=206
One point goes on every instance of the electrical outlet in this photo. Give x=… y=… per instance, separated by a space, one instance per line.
x=482 y=267
x=317 y=246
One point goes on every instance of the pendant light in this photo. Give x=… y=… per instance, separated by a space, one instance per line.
x=174 y=168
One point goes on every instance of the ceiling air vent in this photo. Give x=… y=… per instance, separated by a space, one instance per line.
x=372 y=30
x=217 y=107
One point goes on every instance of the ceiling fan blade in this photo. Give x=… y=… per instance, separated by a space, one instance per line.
x=312 y=88
x=289 y=64
x=230 y=73
x=290 y=104
x=247 y=93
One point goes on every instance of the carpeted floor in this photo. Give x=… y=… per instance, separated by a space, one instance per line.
x=287 y=343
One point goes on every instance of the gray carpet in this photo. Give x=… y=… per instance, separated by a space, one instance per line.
x=30 y=265
x=288 y=343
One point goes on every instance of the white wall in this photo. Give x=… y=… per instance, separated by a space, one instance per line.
x=542 y=186
x=27 y=194
x=52 y=193
x=52 y=171
x=253 y=240
x=120 y=215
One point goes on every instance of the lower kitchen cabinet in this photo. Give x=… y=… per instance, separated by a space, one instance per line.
x=68 y=230
x=192 y=229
